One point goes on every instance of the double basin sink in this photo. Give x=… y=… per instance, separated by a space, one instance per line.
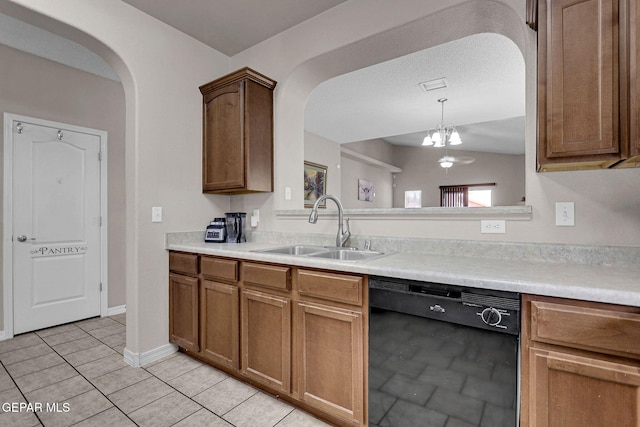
x=336 y=253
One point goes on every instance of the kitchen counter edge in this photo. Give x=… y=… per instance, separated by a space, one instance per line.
x=597 y=283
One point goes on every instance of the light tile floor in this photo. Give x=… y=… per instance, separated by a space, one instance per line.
x=77 y=374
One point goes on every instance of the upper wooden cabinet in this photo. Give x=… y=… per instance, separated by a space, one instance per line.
x=587 y=117
x=237 y=149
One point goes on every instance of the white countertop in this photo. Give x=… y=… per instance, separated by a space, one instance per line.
x=617 y=285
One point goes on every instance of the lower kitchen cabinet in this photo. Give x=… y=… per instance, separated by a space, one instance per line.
x=330 y=356
x=297 y=333
x=183 y=311
x=266 y=339
x=580 y=364
x=219 y=311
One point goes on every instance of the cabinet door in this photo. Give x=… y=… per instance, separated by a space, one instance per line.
x=578 y=82
x=223 y=166
x=183 y=311
x=331 y=360
x=634 y=151
x=567 y=390
x=220 y=320
x=266 y=339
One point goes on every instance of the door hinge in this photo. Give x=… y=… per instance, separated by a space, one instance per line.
x=100 y=286
x=100 y=221
x=99 y=156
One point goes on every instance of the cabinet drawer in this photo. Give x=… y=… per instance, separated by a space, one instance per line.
x=330 y=286
x=183 y=263
x=603 y=331
x=221 y=269
x=271 y=276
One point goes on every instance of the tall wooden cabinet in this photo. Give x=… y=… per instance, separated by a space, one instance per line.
x=580 y=364
x=237 y=149
x=587 y=94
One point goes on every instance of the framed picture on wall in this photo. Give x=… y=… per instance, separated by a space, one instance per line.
x=365 y=190
x=315 y=183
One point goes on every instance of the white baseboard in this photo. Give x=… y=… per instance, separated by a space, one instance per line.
x=112 y=311
x=140 y=359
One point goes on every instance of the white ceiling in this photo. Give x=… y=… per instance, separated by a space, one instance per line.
x=484 y=73
x=231 y=26
x=485 y=97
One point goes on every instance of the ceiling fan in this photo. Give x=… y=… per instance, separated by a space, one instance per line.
x=448 y=161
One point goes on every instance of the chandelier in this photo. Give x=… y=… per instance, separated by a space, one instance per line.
x=442 y=136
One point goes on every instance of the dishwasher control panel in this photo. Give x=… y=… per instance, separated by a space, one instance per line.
x=492 y=310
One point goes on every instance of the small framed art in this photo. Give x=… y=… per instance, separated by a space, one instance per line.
x=315 y=183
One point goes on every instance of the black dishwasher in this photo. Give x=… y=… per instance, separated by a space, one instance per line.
x=442 y=355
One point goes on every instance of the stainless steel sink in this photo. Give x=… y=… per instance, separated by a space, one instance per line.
x=294 y=250
x=348 y=254
x=327 y=252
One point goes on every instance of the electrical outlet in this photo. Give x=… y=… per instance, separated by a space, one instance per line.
x=287 y=193
x=565 y=214
x=156 y=214
x=498 y=226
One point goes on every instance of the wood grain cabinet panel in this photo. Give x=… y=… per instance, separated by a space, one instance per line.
x=266 y=339
x=578 y=84
x=579 y=365
x=220 y=323
x=331 y=286
x=634 y=89
x=183 y=263
x=269 y=276
x=588 y=91
x=573 y=391
x=237 y=153
x=593 y=329
x=219 y=269
x=183 y=311
x=331 y=360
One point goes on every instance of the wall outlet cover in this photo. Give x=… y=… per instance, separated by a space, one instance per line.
x=494 y=226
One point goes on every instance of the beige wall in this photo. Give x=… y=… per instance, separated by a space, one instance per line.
x=43 y=89
x=161 y=70
x=324 y=152
x=363 y=34
x=420 y=171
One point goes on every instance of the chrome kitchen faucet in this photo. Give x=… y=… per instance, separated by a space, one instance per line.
x=342 y=237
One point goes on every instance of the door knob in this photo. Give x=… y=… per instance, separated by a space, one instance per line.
x=24 y=238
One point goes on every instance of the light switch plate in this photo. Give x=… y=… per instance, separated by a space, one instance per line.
x=156 y=214
x=565 y=214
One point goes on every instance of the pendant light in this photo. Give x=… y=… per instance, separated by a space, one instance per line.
x=442 y=135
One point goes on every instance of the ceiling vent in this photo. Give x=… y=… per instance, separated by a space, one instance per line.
x=433 y=84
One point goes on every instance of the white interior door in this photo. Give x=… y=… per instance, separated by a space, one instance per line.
x=56 y=226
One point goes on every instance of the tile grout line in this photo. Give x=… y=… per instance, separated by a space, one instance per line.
x=80 y=374
x=20 y=391
x=175 y=389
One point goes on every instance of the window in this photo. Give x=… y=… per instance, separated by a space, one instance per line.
x=460 y=195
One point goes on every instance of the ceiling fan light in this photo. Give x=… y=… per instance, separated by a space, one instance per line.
x=427 y=140
x=454 y=139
